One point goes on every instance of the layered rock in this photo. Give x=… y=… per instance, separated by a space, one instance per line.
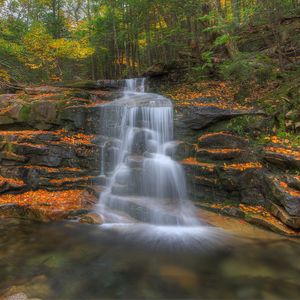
x=51 y=140
x=226 y=169
x=50 y=154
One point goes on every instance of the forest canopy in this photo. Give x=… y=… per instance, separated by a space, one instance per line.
x=51 y=40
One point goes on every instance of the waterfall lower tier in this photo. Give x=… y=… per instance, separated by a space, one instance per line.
x=144 y=183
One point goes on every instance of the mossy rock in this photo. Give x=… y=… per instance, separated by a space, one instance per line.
x=24 y=114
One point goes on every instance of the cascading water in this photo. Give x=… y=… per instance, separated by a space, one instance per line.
x=144 y=184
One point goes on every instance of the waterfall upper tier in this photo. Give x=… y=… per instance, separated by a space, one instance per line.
x=137 y=99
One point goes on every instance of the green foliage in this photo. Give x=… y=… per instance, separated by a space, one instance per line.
x=245 y=125
x=203 y=70
x=248 y=67
x=43 y=39
x=221 y=40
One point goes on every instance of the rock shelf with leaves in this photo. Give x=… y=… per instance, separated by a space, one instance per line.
x=52 y=144
x=228 y=172
x=50 y=152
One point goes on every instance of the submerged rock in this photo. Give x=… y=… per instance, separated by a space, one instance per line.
x=18 y=296
x=91 y=218
x=38 y=287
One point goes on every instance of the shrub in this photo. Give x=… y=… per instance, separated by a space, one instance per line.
x=248 y=67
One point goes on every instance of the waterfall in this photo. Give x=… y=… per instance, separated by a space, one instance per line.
x=144 y=183
x=135 y=85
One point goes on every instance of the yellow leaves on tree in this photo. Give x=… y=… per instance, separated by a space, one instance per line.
x=42 y=51
x=4 y=76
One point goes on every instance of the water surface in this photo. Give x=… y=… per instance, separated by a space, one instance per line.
x=74 y=261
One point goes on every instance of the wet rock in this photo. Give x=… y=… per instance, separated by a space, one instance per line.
x=12 y=157
x=234 y=212
x=46 y=206
x=44 y=114
x=38 y=287
x=75 y=115
x=18 y=296
x=201 y=117
x=273 y=225
x=90 y=84
x=46 y=89
x=293 y=181
x=5 y=99
x=219 y=154
x=280 y=213
x=222 y=140
x=251 y=186
x=179 y=150
x=91 y=218
x=255 y=215
x=285 y=196
x=121 y=189
x=282 y=157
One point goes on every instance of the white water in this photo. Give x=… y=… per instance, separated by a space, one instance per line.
x=145 y=185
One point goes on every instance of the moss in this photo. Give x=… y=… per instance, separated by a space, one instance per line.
x=228 y=202
x=10 y=147
x=246 y=125
x=24 y=114
x=5 y=120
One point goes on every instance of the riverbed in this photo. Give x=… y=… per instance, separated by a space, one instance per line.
x=74 y=261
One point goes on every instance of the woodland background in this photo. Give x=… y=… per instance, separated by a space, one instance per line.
x=54 y=40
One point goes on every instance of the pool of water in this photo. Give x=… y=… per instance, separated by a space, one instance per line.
x=74 y=261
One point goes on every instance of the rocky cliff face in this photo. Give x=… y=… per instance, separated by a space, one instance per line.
x=50 y=142
x=231 y=174
x=51 y=145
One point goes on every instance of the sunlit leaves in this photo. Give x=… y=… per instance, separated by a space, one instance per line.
x=41 y=50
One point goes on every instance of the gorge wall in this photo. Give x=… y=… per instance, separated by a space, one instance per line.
x=51 y=145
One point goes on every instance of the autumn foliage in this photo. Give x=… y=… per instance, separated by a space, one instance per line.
x=58 y=201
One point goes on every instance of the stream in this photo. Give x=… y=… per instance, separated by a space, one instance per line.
x=74 y=261
x=154 y=244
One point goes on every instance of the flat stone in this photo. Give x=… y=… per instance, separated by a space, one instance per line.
x=255 y=219
x=201 y=117
x=45 y=89
x=221 y=140
x=18 y=296
x=219 y=154
x=91 y=218
x=281 y=157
